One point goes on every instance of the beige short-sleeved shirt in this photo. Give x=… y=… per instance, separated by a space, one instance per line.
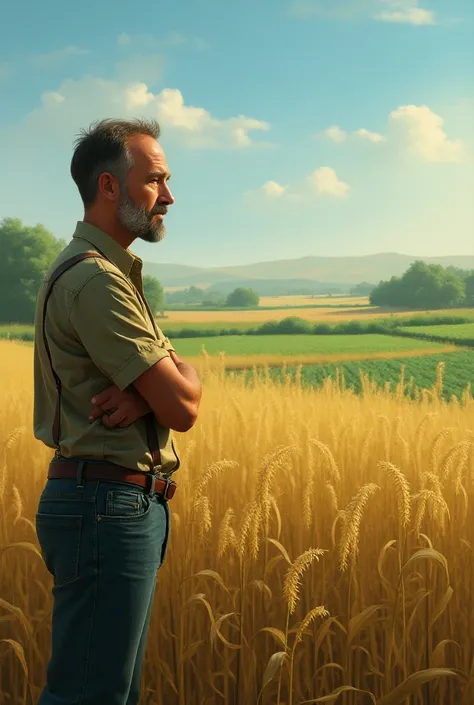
x=100 y=332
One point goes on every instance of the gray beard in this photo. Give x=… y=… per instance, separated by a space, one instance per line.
x=138 y=221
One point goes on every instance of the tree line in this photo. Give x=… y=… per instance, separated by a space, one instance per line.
x=426 y=287
x=241 y=297
x=27 y=252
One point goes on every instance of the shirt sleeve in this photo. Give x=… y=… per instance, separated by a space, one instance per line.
x=168 y=345
x=166 y=342
x=107 y=319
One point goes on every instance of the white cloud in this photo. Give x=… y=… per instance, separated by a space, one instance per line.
x=322 y=182
x=200 y=126
x=396 y=11
x=422 y=130
x=338 y=135
x=335 y=134
x=413 y=127
x=373 y=137
x=272 y=189
x=77 y=103
x=410 y=15
x=327 y=183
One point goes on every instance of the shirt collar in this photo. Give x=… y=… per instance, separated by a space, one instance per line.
x=125 y=260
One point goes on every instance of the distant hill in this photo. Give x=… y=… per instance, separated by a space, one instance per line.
x=281 y=287
x=337 y=272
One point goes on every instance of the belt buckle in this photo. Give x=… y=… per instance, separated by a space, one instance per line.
x=167 y=486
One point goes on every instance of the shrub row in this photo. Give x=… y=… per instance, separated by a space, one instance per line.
x=449 y=340
x=298 y=326
x=27 y=336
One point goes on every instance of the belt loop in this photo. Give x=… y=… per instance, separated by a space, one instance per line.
x=151 y=491
x=80 y=473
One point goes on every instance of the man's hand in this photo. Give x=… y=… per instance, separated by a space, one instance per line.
x=118 y=408
x=174 y=357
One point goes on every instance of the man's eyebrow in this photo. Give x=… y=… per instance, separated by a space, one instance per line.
x=159 y=174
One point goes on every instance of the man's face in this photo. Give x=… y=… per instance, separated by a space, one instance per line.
x=146 y=196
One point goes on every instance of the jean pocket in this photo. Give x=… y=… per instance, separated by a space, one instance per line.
x=59 y=536
x=126 y=504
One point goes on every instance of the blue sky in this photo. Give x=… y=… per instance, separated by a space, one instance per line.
x=320 y=127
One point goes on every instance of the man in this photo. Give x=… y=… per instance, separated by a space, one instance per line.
x=109 y=391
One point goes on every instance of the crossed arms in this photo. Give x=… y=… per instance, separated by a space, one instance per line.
x=174 y=402
x=145 y=372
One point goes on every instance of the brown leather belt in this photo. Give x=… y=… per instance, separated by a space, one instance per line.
x=110 y=472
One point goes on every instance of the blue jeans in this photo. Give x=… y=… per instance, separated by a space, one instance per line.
x=103 y=543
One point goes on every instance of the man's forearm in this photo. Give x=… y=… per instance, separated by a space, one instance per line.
x=190 y=374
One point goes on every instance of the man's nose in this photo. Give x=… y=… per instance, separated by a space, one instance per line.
x=166 y=196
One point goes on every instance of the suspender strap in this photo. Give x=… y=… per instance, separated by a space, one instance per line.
x=150 y=422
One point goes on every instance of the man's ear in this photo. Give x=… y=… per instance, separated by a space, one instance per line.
x=108 y=186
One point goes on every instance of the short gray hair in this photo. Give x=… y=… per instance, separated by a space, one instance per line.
x=103 y=147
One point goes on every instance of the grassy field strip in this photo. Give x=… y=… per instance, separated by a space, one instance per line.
x=456 y=332
x=284 y=345
x=175 y=320
x=15 y=328
x=241 y=362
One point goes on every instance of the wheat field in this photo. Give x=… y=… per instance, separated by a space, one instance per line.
x=308 y=300
x=226 y=319
x=321 y=549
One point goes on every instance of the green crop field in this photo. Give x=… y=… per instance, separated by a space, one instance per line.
x=458 y=373
x=299 y=345
x=168 y=326
x=464 y=331
x=15 y=330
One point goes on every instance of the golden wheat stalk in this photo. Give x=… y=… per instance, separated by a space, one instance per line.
x=331 y=464
x=319 y=611
x=307 y=499
x=348 y=543
x=211 y=472
x=226 y=536
x=17 y=504
x=294 y=573
x=435 y=448
x=202 y=509
x=436 y=505
x=250 y=515
x=402 y=490
x=459 y=452
x=333 y=497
